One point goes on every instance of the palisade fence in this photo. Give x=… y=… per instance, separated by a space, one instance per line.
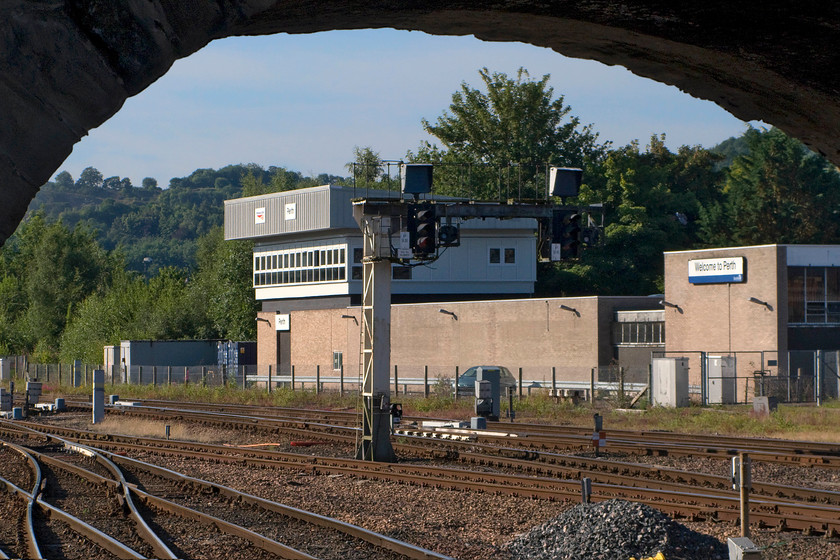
x=801 y=376
x=426 y=380
x=814 y=377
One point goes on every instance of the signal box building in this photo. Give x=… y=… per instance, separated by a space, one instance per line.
x=471 y=306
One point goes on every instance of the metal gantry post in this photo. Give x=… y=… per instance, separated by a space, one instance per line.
x=376 y=332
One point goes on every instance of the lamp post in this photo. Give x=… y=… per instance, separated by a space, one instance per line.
x=146 y=262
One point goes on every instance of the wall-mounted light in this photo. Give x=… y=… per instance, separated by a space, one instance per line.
x=351 y=317
x=761 y=302
x=258 y=319
x=448 y=313
x=570 y=309
x=672 y=305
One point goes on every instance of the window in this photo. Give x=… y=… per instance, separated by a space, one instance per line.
x=295 y=266
x=401 y=273
x=338 y=360
x=813 y=295
x=639 y=333
x=498 y=255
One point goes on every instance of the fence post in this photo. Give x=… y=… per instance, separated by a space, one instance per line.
x=154 y=376
x=426 y=381
x=818 y=377
x=139 y=375
x=456 y=383
x=621 y=386
x=341 y=379
x=396 y=381
x=244 y=377
x=520 y=383
x=204 y=376
x=186 y=376
x=269 y=378
x=704 y=379
x=317 y=379
x=293 y=377
x=59 y=374
x=553 y=381
x=592 y=386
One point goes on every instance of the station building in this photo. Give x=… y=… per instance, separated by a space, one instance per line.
x=774 y=309
x=770 y=311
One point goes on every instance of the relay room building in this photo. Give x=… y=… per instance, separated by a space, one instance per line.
x=768 y=309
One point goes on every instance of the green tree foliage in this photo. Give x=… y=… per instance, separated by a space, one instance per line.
x=366 y=167
x=48 y=271
x=777 y=192
x=496 y=143
x=224 y=283
x=653 y=202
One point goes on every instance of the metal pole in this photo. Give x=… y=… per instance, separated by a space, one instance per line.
x=169 y=375
x=592 y=385
x=186 y=376
x=426 y=381
x=745 y=481
x=341 y=380
x=139 y=375
x=204 y=376
x=154 y=376
x=553 y=381
x=269 y=378
x=456 y=383
x=317 y=379
x=520 y=383
x=396 y=381
x=293 y=377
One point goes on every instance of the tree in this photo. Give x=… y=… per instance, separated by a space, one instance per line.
x=64 y=181
x=654 y=200
x=224 y=283
x=150 y=183
x=90 y=178
x=778 y=192
x=366 y=166
x=516 y=122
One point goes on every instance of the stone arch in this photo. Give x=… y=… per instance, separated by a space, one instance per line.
x=66 y=67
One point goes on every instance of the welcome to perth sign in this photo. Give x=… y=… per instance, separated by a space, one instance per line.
x=716 y=271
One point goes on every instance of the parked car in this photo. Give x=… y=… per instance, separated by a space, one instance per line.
x=466 y=381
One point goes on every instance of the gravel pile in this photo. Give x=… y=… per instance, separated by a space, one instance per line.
x=615 y=530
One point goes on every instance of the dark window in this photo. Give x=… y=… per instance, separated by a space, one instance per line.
x=401 y=273
x=495 y=256
x=510 y=256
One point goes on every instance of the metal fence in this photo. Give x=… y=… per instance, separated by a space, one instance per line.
x=814 y=377
x=424 y=380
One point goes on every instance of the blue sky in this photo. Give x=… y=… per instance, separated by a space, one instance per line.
x=304 y=101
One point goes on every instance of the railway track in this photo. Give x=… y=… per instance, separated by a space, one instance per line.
x=78 y=490
x=545 y=475
x=341 y=426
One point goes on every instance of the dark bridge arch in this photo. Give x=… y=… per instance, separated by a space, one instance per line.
x=66 y=67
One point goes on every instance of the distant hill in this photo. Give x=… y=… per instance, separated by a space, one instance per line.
x=161 y=224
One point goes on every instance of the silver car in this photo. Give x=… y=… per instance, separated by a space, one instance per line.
x=466 y=381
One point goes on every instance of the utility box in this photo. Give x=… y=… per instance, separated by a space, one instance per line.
x=742 y=548
x=33 y=391
x=5 y=400
x=720 y=373
x=669 y=382
x=492 y=376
